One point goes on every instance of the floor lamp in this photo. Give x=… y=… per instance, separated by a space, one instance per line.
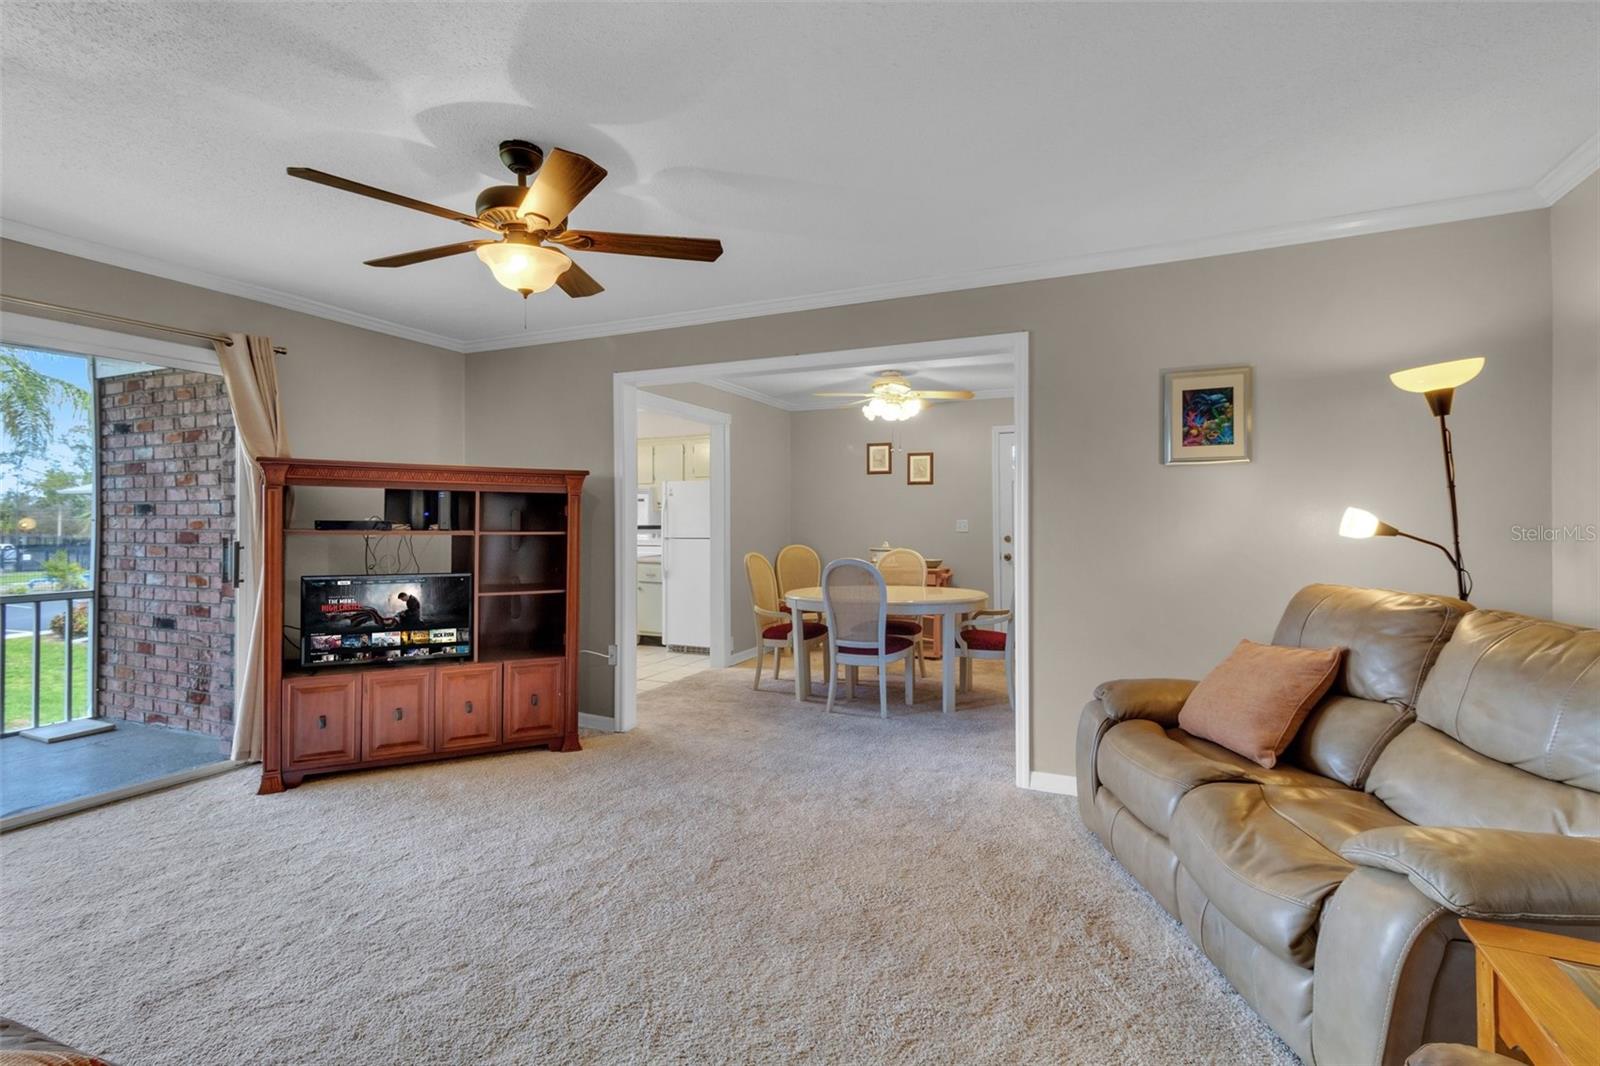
x=1438 y=383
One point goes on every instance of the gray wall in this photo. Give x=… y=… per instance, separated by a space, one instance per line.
x=1575 y=404
x=347 y=393
x=1142 y=569
x=758 y=468
x=842 y=511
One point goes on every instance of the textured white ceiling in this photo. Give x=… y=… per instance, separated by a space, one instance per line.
x=841 y=152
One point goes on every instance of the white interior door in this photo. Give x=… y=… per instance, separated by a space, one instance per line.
x=1005 y=515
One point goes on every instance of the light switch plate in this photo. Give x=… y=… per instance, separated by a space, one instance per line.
x=961 y=526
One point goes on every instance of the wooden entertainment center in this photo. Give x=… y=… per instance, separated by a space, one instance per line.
x=517 y=533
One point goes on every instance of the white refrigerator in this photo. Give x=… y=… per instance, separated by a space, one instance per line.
x=686 y=564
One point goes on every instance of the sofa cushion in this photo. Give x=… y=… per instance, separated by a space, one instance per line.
x=1344 y=736
x=1522 y=691
x=1267 y=856
x=1281 y=774
x=1391 y=638
x=1254 y=700
x=1150 y=773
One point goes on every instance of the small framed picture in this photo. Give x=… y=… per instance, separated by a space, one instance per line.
x=1205 y=415
x=880 y=458
x=919 y=468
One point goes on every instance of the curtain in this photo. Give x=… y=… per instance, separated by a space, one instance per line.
x=250 y=370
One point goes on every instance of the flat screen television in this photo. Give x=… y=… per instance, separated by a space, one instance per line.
x=372 y=618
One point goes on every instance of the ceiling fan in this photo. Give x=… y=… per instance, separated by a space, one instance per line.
x=893 y=399
x=527 y=219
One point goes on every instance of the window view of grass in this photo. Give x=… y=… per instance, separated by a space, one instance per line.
x=52 y=681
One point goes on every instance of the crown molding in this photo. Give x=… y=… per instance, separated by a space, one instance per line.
x=1382 y=221
x=796 y=406
x=725 y=385
x=1560 y=179
x=1565 y=175
x=144 y=264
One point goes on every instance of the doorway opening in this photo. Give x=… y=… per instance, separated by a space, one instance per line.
x=904 y=455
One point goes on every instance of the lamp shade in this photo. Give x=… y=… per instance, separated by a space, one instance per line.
x=1359 y=525
x=1437 y=376
x=524 y=267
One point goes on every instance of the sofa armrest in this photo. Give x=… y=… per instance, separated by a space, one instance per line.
x=1158 y=699
x=1498 y=874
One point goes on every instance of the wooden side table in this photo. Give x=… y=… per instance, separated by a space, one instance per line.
x=1538 y=994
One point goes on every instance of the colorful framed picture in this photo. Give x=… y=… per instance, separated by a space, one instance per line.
x=1205 y=415
x=919 y=468
x=880 y=458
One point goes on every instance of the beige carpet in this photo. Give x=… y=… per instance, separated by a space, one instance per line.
x=739 y=880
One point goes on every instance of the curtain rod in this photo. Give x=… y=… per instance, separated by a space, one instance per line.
x=103 y=317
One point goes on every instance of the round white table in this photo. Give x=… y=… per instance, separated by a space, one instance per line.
x=904 y=600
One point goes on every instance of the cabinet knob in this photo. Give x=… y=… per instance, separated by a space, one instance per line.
x=533 y=700
x=469 y=706
x=398 y=714
x=322 y=721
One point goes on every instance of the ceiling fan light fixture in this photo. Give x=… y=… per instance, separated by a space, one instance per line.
x=523 y=266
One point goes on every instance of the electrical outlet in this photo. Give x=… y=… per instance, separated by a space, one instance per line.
x=611 y=655
x=962 y=526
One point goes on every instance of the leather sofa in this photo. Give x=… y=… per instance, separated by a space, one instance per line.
x=1452 y=771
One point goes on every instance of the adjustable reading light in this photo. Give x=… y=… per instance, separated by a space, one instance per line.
x=1438 y=383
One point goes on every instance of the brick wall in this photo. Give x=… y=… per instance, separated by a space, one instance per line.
x=166 y=618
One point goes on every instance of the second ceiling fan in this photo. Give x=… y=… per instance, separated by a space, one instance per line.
x=893 y=399
x=528 y=218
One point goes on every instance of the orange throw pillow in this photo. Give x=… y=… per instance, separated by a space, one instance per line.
x=1256 y=698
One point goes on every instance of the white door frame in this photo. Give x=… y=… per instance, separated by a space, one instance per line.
x=627 y=399
x=626 y=394
x=995 y=466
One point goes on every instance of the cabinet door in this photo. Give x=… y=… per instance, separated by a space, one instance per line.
x=650 y=607
x=647 y=466
x=467 y=710
x=533 y=704
x=698 y=462
x=669 y=462
x=320 y=720
x=397 y=713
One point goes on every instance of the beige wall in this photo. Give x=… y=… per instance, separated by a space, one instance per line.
x=1140 y=568
x=347 y=393
x=758 y=446
x=841 y=510
x=1575 y=405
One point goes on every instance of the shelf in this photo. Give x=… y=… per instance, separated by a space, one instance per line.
x=519 y=590
x=524 y=532
x=378 y=532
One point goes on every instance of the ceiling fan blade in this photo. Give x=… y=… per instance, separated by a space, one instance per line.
x=577 y=282
x=851 y=395
x=425 y=254
x=564 y=178
x=335 y=182
x=698 y=249
x=948 y=394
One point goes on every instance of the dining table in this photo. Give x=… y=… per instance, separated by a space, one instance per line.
x=948 y=603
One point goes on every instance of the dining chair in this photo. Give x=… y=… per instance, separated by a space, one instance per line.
x=799 y=567
x=980 y=637
x=855 y=600
x=774 y=628
x=903 y=566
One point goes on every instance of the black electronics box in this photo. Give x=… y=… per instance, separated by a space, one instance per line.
x=419 y=508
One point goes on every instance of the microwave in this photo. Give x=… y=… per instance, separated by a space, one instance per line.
x=646 y=511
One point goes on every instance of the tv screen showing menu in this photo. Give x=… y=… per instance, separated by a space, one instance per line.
x=371 y=618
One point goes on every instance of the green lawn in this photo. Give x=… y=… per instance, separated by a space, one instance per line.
x=52 y=677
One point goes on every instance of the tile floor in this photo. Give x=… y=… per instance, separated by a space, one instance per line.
x=658 y=666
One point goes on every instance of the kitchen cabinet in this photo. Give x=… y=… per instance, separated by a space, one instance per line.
x=649 y=593
x=647 y=464
x=697 y=460
x=668 y=461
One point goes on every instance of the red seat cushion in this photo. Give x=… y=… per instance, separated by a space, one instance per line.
x=782 y=630
x=984 y=639
x=905 y=627
x=784 y=607
x=895 y=646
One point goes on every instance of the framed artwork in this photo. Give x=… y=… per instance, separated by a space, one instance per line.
x=880 y=458
x=1205 y=415
x=919 y=468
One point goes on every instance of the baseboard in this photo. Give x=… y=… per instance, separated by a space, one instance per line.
x=1061 y=784
x=598 y=722
x=741 y=656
